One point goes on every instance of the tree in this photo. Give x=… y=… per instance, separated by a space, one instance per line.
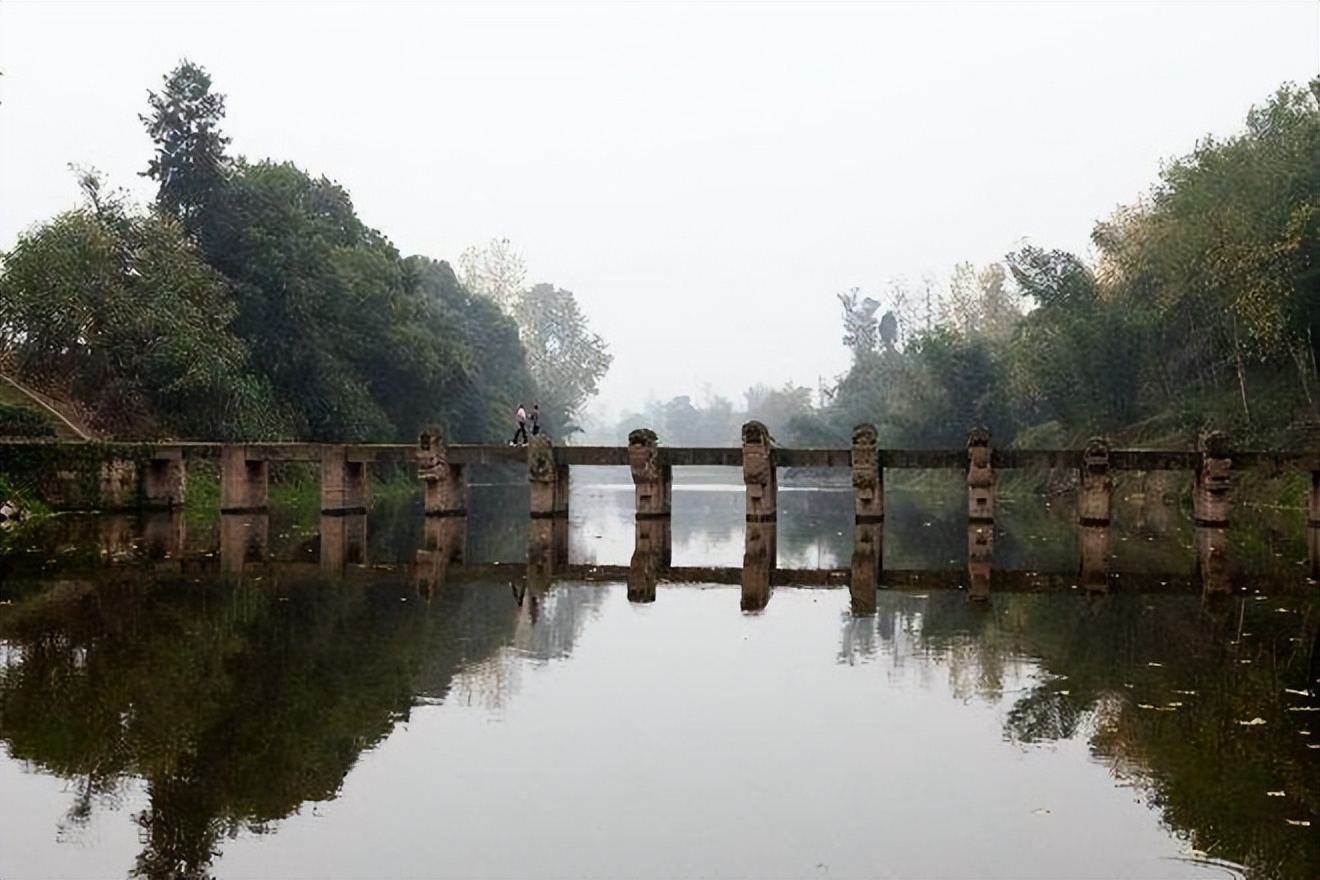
x=566 y=360
x=190 y=163
x=495 y=271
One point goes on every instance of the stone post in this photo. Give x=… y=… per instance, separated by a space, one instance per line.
x=759 y=473
x=867 y=563
x=758 y=562
x=1095 y=557
x=343 y=541
x=980 y=477
x=1097 y=484
x=868 y=476
x=980 y=559
x=343 y=482
x=444 y=485
x=650 y=555
x=165 y=479
x=547 y=478
x=244 y=482
x=1210 y=495
x=654 y=481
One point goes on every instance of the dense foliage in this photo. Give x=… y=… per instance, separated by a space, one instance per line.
x=1201 y=309
x=251 y=302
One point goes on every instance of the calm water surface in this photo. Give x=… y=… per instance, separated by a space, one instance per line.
x=345 y=697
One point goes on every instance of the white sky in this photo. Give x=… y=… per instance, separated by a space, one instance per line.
x=705 y=177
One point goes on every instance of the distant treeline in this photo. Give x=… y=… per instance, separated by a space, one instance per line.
x=1201 y=310
x=251 y=302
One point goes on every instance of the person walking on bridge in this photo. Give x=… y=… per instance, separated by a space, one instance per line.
x=535 y=419
x=521 y=417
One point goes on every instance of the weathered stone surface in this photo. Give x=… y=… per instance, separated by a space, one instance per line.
x=244 y=481
x=652 y=479
x=867 y=476
x=980 y=476
x=867 y=563
x=1097 y=483
x=1211 y=496
x=759 y=472
x=444 y=483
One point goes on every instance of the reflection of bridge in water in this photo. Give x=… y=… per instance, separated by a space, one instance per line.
x=152 y=475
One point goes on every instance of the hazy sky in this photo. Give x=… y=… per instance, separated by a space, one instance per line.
x=705 y=177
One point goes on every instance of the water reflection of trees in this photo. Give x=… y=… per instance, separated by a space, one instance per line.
x=236 y=701
x=1206 y=706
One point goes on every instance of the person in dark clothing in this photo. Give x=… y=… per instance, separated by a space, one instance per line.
x=535 y=419
x=522 y=426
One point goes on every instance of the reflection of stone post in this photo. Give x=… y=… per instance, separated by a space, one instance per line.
x=980 y=477
x=1095 y=557
x=650 y=555
x=867 y=561
x=243 y=482
x=1213 y=561
x=444 y=542
x=868 y=477
x=540 y=553
x=1210 y=496
x=164 y=480
x=759 y=472
x=758 y=561
x=243 y=539
x=1097 y=484
x=444 y=485
x=547 y=478
x=654 y=481
x=980 y=559
x=343 y=482
x=343 y=541
x=119 y=484
x=163 y=535
x=1313 y=550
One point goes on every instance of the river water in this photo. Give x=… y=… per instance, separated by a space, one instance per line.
x=384 y=697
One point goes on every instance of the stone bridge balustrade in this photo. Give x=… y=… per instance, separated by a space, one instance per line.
x=244 y=481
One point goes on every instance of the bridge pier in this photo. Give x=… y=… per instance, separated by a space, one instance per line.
x=548 y=478
x=1096 y=489
x=654 y=481
x=868 y=476
x=1210 y=495
x=343 y=482
x=244 y=482
x=164 y=480
x=163 y=534
x=867 y=563
x=980 y=477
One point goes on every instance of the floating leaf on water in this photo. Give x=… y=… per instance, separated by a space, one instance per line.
x=1149 y=706
x=1244 y=661
x=1253 y=722
x=1274 y=793
x=1304 y=708
x=1040 y=811
x=1063 y=693
x=1153 y=663
x=1295 y=691
x=1303 y=822
x=1186 y=693
x=1174 y=704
